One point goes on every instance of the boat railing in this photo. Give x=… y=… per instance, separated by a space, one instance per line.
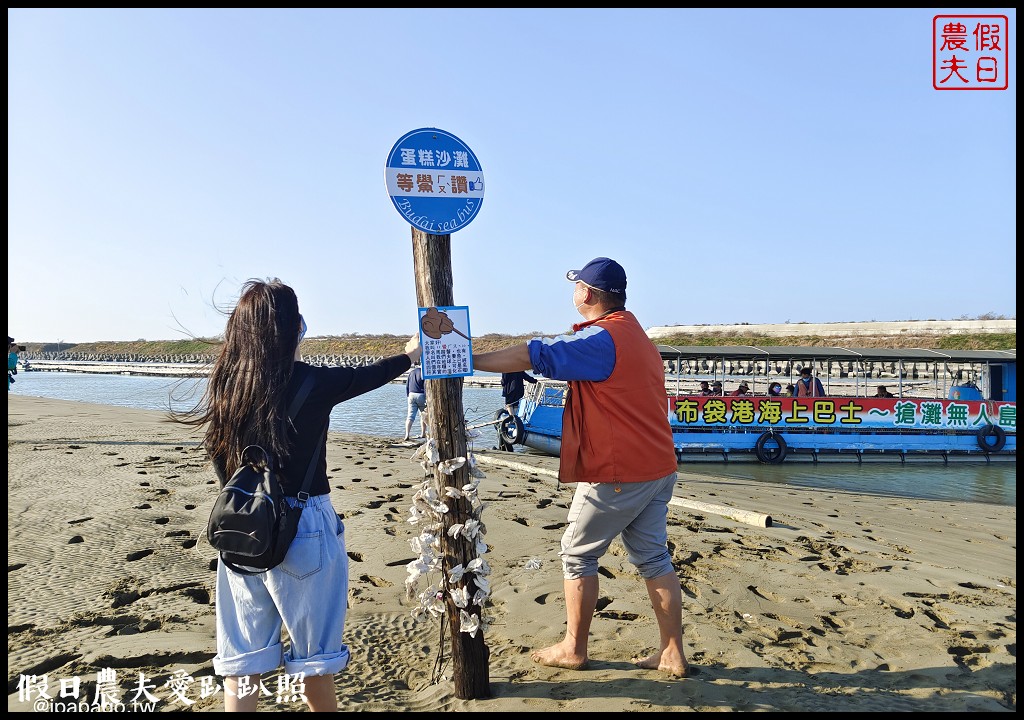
x=548 y=393
x=839 y=377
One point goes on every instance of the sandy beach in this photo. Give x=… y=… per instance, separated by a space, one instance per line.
x=845 y=603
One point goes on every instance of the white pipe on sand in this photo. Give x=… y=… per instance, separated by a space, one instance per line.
x=743 y=516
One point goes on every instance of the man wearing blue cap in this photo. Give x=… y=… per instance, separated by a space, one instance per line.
x=617 y=447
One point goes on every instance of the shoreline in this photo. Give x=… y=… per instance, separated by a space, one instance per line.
x=846 y=602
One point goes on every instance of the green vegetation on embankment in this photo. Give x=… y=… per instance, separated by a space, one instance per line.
x=384 y=345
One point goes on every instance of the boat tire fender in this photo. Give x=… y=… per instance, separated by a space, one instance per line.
x=511 y=430
x=770 y=455
x=991 y=431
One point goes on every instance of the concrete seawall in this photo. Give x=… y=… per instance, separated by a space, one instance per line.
x=909 y=328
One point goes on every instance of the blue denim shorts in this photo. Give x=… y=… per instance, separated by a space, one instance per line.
x=307 y=595
x=417 y=403
x=601 y=511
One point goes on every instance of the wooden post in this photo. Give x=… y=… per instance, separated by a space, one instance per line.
x=432 y=264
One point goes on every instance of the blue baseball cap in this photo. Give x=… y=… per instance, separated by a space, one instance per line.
x=601 y=273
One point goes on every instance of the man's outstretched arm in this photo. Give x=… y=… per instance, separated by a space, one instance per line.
x=510 y=359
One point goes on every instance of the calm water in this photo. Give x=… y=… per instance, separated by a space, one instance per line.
x=382 y=413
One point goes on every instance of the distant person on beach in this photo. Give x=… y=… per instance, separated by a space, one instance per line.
x=416 y=399
x=775 y=389
x=808 y=385
x=12 y=361
x=617 y=448
x=883 y=392
x=253 y=380
x=513 y=389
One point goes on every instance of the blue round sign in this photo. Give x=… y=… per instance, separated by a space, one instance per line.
x=434 y=180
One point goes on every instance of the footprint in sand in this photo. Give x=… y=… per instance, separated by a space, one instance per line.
x=201 y=596
x=375 y=581
x=767 y=595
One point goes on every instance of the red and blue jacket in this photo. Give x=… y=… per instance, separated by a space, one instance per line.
x=615 y=426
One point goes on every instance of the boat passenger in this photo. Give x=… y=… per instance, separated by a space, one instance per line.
x=808 y=385
x=775 y=389
x=716 y=388
x=742 y=390
x=883 y=392
x=705 y=389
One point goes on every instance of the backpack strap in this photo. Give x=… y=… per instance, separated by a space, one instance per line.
x=300 y=396
x=293 y=410
x=308 y=480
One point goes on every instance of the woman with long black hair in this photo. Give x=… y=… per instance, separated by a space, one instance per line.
x=254 y=378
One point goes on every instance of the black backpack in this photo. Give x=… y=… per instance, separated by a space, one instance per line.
x=251 y=524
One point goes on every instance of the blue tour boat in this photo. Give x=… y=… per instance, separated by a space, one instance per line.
x=947 y=405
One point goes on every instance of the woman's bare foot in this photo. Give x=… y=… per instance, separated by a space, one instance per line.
x=557 y=656
x=676 y=667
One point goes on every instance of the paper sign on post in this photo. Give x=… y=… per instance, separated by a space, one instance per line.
x=445 y=340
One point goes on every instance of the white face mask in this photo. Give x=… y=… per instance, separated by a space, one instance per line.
x=578 y=305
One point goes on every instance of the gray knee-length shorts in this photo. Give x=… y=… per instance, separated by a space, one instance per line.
x=600 y=512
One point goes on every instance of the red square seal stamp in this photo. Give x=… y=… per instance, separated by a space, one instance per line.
x=970 y=52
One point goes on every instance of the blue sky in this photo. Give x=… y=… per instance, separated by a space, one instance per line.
x=744 y=166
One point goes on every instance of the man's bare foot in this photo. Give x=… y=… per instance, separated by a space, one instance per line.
x=556 y=656
x=676 y=667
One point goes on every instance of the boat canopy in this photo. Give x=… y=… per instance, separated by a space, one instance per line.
x=779 y=352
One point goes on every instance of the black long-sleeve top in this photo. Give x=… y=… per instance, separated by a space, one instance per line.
x=331 y=386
